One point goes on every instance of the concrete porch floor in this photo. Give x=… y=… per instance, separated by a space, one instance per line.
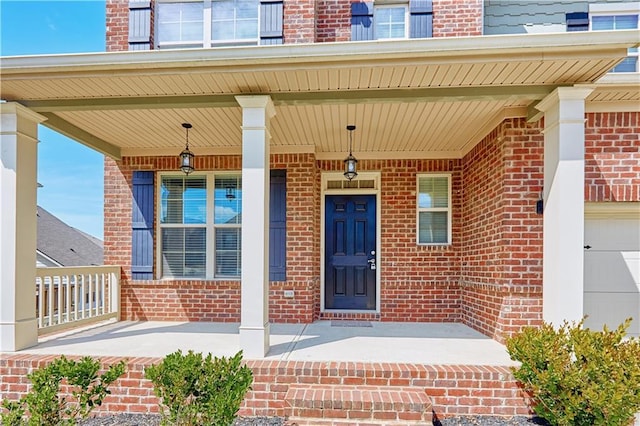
x=415 y=343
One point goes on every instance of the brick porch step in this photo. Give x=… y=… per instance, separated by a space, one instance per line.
x=313 y=404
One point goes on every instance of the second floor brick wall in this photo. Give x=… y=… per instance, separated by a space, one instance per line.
x=319 y=21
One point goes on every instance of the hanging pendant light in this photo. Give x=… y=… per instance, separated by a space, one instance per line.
x=350 y=163
x=186 y=156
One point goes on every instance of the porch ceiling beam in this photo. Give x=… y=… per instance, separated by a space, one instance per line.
x=64 y=127
x=432 y=94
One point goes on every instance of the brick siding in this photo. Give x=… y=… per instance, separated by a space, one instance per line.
x=117 y=22
x=612 y=159
x=457 y=18
x=299 y=21
x=502 y=234
x=453 y=389
x=333 y=21
x=308 y=21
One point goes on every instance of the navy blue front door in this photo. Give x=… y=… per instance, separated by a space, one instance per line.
x=350 y=244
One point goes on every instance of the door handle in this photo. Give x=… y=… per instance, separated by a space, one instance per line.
x=372 y=263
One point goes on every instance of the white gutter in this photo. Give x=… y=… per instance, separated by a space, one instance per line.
x=498 y=48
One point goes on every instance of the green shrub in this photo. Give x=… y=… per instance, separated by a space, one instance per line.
x=579 y=377
x=45 y=403
x=200 y=391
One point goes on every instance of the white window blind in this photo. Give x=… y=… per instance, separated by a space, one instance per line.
x=434 y=209
x=192 y=208
x=390 y=22
x=207 y=23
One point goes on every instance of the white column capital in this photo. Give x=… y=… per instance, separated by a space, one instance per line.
x=573 y=93
x=257 y=101
x=20 y=110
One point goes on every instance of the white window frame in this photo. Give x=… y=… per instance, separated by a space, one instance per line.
x=447 y=209
x=616 y=9
x=206 y=30
x=391 y=5
x=209 y=225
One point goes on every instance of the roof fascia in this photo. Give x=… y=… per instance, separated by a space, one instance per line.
x=497 y=48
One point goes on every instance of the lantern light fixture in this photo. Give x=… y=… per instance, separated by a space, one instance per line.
x=186 y=156
x=350 y=163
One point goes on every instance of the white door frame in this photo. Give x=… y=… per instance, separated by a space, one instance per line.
x=375 y=190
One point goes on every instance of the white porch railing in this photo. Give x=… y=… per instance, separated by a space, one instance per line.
x=69 y=297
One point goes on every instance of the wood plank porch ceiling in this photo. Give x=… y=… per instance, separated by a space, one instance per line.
x=414 y=98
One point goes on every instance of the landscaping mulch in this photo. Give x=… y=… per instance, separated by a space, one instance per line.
x=154 y=420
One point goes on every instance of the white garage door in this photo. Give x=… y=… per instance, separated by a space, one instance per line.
x=612 y=265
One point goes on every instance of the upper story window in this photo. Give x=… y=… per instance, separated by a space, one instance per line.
x=207 y=23
x=391 y=19
x=620 y=16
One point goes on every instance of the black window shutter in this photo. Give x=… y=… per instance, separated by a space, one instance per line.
x=271 y=16
x=278 y=226
x=139 y=25
x=577 y=21
x=361 y=21
x=420 y=18
x=142 y=226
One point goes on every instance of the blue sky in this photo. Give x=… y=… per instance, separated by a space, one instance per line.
x=71 y=175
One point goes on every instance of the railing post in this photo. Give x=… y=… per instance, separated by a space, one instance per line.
x=114 y=289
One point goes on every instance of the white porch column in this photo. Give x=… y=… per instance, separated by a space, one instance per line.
x=18 y=225
x=563 y=231
x=254 y=325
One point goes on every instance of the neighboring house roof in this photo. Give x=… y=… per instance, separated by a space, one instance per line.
x=62 y=245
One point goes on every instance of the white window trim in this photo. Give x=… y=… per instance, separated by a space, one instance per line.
x=448 y=209
x=206 y=30
x=209 y=225
x=616 y=9
x=391 y=5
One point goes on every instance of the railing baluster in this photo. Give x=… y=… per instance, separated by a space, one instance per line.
x=50 y=301
x=90 y=308
x=67 y=299
x=84 y=296
x=59 y=293
x=76 y=290
x=102 y=293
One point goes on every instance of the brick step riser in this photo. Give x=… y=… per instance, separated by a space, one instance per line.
x=359 y=404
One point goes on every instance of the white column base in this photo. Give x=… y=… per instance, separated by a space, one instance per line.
x=18 y=335
x=254 y=341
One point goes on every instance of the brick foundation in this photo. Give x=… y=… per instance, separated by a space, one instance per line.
x=453 y=389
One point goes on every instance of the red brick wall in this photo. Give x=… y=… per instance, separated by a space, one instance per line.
x=333 y=21
x=117 y=25
x=612 y=159
x=454 y=389
x=217 y=300
x=502 y=249
x=299 y=21
x=418 y=283
x=457 y=18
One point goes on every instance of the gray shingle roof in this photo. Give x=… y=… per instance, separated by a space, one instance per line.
x=66 y=245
